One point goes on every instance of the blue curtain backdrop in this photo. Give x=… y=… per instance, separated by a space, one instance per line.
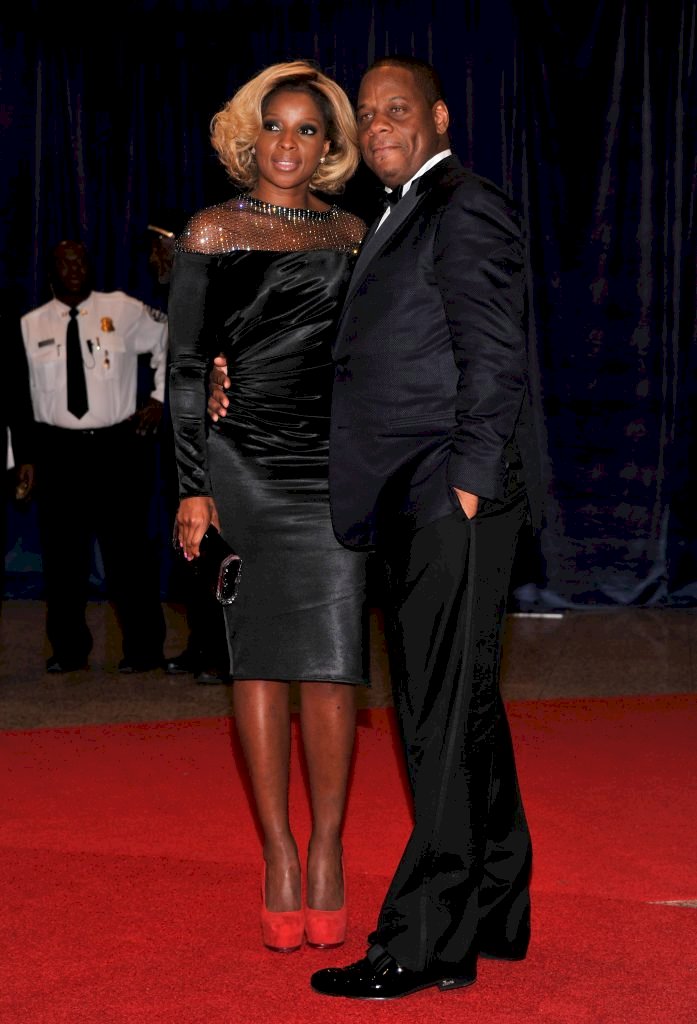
x=584 y=112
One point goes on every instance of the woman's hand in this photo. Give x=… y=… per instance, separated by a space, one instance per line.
x=193 y=518
x=218 y=380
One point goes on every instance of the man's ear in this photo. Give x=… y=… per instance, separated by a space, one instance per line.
x=441 y=117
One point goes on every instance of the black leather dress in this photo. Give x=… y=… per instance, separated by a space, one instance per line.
x=263 y=285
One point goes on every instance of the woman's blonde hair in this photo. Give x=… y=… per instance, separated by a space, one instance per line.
x=236 y=127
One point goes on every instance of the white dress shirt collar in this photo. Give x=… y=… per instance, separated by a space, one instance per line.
x=431 y=162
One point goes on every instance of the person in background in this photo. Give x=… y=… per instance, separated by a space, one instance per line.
x=82 y=350
x=162 y=239
x=261 y=278
x=205 y=655
x=16 y=423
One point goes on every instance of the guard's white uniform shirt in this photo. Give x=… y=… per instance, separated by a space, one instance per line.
x=114 y=330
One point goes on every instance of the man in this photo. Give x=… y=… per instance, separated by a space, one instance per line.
x=162 y=241
x=17 y=422
x=431 y=459
x=82 y=348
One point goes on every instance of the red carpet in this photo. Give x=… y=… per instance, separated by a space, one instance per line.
x=130 y=875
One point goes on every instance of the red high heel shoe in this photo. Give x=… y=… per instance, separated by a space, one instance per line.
x=326 y=929
x=282 y=930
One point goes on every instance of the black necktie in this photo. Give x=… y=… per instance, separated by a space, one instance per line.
x=77 y=385
x=393 y=197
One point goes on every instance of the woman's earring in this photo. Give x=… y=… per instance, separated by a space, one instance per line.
x=254 y=151
x=322 y=159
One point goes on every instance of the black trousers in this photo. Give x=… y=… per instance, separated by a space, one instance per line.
x=97 y=484
x=207 y=641
x=461 y=887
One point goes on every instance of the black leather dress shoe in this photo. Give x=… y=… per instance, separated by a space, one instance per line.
x=128 y=666
x=56 y=664
x=212 y=677
x=185 y=663
x=379 y=976
x=511 y=954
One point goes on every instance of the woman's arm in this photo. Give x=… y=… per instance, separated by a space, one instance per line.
x=189 y=333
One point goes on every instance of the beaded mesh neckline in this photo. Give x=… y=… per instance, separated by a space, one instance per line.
x=289 y=212
x=245 y=223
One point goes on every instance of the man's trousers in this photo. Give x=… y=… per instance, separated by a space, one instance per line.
x=461 y=887
x=94 y=484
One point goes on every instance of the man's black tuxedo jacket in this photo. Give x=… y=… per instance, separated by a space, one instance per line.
x=430 y=387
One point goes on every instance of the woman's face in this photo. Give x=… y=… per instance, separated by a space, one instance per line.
x=290 y=145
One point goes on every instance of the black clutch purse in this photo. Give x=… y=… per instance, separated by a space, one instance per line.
x=218 y=564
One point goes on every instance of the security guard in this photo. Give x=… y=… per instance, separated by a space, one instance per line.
x=91 y=479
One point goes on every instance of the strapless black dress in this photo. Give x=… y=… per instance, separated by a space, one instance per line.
x=300 y=610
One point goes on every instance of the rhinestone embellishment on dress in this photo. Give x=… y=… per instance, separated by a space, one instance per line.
x=247 y=223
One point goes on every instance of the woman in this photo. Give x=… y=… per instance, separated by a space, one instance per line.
x=261 y=278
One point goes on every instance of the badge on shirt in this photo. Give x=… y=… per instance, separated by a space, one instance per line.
x=45 y=342
x=107 y=324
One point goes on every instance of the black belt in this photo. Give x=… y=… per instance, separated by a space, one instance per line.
x=68 y=432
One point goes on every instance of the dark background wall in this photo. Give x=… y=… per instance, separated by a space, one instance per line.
x=584 y=112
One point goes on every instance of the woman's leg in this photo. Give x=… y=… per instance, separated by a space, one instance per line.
x=328 y=722
x=262 y=718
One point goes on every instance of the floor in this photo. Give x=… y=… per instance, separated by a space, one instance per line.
x=586 y=653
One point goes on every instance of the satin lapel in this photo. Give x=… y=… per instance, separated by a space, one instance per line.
x=377 y=240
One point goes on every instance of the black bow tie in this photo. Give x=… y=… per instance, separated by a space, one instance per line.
x=393 y=197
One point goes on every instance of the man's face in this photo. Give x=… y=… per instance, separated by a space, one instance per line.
x=161 y=256
x=71 y=268
x=397 y=129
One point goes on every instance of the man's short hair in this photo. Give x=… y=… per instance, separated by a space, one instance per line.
x=425 y=74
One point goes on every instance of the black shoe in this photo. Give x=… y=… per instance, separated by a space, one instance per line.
x=182 y=664
x=56 y=664
x=212 y=677
x=379 y=976
x=511 y=954
x=129 y=666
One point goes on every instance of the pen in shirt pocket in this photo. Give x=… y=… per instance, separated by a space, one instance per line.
x=91 y=347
